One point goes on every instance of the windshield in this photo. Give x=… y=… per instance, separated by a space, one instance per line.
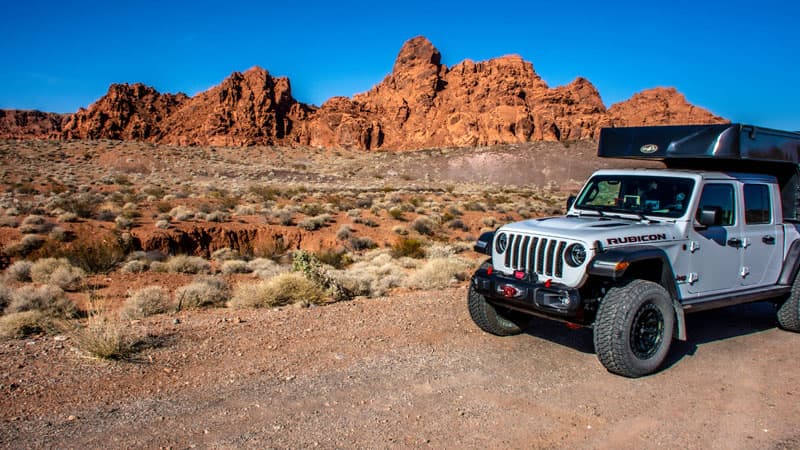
x=635 y=194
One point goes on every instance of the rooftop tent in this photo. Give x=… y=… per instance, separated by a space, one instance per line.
x=721 y=147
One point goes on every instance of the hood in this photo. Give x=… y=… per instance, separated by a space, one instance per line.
x=610 y=231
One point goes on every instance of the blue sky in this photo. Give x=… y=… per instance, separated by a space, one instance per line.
x=739 y=59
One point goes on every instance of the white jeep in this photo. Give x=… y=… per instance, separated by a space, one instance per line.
x=639 y=249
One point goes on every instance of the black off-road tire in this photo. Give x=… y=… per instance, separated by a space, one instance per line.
x=633 y=328
x=789 y=311
x=487 y=318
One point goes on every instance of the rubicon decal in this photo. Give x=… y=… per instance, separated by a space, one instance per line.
x=635 y=239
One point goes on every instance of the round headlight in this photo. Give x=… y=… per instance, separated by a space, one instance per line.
x=501 y=242
x=575 y=255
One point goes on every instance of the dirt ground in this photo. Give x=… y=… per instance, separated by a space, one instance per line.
x=406 y=371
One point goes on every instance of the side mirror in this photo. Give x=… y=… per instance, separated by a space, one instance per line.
x=710 y=215
x=570 y=201
x=484 y=243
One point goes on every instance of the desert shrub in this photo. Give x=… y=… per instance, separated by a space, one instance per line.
x=8 y=221
x=232 y=266
x=203 y=292
x=244 y=210
x=354 y=213
x=315 y=223
x=265 y=268
x=283 y=289
x=366 y=221
x=457 y=224
x=312 y=209
x=68 y=217
x=440 y=251
x=410 y=247
x=344 y=233
x=20 y=324
x=92 y=254
x=57 y=271
x=105 y=338
x=358 y=243
x=474 y=206
x=181 y=213
x=33 y=219
x=106 y=215
x=217 y=216
x=49 y=300
x=135 y=266
x=188 y=264
x=266 y=246
x=5 y=297
x=159 y=267
x=373 y=276
x=438 y=273
x=399 y=229
x=25 y=246
x=319 y=274
x=396 y=213
x=423 y=225
x=19 y=271
x=145 y=302
x=123 y=223
x=59 y=234
x=337 y=258
x=162 y=224
x=163 y=206
x=489 y=221
x=224 y=254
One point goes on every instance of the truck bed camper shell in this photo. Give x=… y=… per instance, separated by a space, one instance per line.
x=728 y=147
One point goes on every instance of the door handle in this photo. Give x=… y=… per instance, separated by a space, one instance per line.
x=768 y=240
x=735 y=242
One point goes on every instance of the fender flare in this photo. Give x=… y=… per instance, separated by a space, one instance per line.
x=616 y=262
x=791 y=264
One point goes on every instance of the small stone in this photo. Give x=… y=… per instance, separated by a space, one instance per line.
x=176 y=321
x=60 y=338
x=72 y=418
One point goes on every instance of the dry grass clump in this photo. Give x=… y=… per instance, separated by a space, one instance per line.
x=135 y=266
x=224 y=254
x=284 y=289
x=373 y=276
x=265 y=268
x=423 y=225
x=203 y=292
x=145 y=302
x=439 y=273
x=234 y=266
x=19 y=271
x=316 y=222
x=57 y=271
x=188 y=264
x=20 y=324
x=410 y=247
x=358 y=243
x=106 y=338
x=47 y=299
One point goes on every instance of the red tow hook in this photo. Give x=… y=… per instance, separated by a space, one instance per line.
x=573 y=326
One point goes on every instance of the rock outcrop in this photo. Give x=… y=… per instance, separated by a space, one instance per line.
x=19 y=124
x=420 y=104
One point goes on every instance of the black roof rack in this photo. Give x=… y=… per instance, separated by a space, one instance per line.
x=730 y=147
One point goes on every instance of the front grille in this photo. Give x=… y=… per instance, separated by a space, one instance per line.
x=534 y=254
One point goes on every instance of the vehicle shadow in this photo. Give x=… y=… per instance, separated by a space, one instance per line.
x=701 y=328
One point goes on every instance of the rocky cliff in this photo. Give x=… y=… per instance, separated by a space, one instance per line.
x=420 y=104
x=18 y=124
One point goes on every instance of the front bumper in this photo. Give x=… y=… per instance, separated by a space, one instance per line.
x=554 y=301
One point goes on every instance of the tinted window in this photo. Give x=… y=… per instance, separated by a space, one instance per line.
x=633 y=194
x=757 y=208
x=719 y=197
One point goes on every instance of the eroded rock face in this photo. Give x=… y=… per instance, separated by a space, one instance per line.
x=20 y=124
x=127 y=112
x=420 y=104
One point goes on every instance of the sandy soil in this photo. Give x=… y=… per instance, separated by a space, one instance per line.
x=406 y=371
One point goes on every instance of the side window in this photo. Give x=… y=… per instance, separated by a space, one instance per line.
x=757 y=208
x=719 y=197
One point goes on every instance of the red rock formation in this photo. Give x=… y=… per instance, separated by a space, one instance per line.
x=19 y=124
x=127 y=112
x=659 y=106
x=245 y=109
x=420 y=104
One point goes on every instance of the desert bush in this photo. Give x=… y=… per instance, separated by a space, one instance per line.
x=25 y=246
x=373 y=276
x=68 y=217
x=159 y=267
x=410 y=247
x=106 y=338
x=315 y=223
x=344 y=233
x=399 y=229
x=489 y=221
x=90 y=253
x=162 y=224
x=358 y=243
x=283 y=289
x=33 y=219
x=47 y=299
x=396 y=213
x=265 y=268
x=59 y=234
x=8 y=221
x=438 y=273
x=217 y=216
x=145 y=302
x=423 y=225
x=366 y=221
x=188 y=264
x=20 y=324
x=123 y=223
x=135 y=266
x=5 y=297
x=232 y=266
x=319 y=274
x=19 y=271
x=203 y=292
x=457 y=224
x=224 y=254
x=336 y=258
x=181 y=213
x=244 y=210
x=440 y=251
x=57 y=271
